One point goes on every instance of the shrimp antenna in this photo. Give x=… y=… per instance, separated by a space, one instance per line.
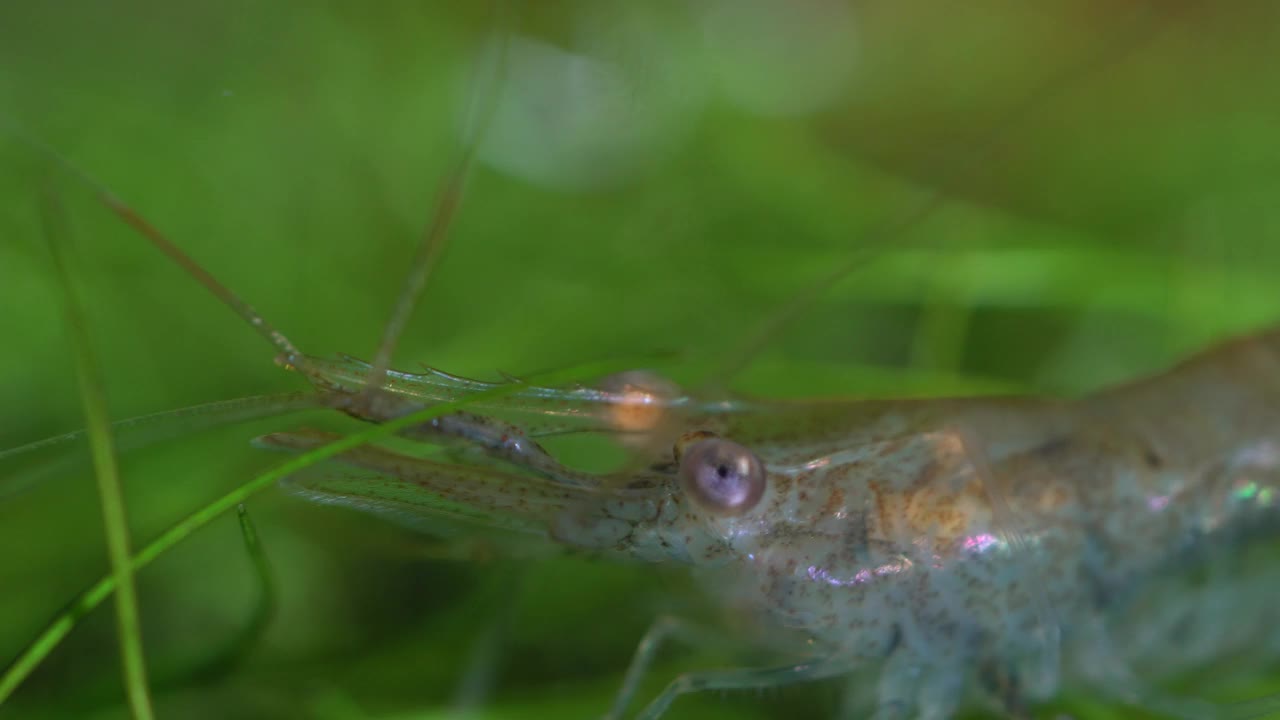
x=435 y=235
x=223 y=293
x=142 y=226
x=763 y=332
x=424 y=259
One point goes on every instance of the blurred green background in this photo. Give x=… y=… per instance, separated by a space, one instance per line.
x=655 y=176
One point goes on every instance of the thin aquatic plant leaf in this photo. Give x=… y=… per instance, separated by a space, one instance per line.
x=114 y=518
x=233 y=653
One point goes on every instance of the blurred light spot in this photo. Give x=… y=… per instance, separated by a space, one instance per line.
x=642 y=401
x=576 y=121
x=781 y=57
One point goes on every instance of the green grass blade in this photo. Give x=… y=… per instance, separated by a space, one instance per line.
x=266 y=606
x=62 y=625
x=102 y=448
x=227 y=658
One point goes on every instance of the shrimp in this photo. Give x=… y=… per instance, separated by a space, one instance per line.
x=870 y=531
x=948 y=544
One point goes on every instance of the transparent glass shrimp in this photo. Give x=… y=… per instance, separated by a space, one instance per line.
x=927 y=537
x=871 y=532
x=950 y=543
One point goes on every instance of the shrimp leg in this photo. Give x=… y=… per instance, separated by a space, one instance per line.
x=664 y=628
x=743 y=679
x=1107 y=673
x=909 y=682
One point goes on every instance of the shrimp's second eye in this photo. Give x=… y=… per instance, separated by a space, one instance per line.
x=722 y=477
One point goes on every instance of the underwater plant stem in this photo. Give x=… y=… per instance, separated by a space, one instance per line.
x=115 y=522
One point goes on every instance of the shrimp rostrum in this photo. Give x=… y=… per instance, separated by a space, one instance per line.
x=944 y=540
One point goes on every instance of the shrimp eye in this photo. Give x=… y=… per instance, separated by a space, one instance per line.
x=721 y=476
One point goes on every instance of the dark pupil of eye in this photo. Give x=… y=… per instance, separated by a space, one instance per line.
x=724 y=484
x=722 y=477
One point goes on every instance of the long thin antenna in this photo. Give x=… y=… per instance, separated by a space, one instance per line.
x=291 y=353
x=1140 y=32
x=144 y=227
x=425 y=259
x=433 y=240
